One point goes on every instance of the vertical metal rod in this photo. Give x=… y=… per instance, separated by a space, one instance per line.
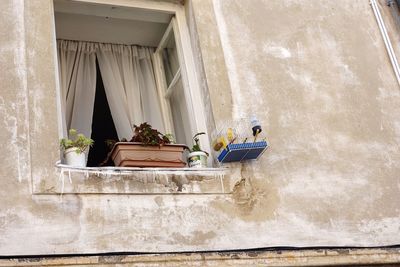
x=386 y=39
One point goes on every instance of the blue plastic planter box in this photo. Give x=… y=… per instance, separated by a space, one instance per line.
x=242 y=152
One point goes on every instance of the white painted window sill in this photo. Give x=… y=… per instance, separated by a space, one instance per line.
x=127 y=180
x=118 y=170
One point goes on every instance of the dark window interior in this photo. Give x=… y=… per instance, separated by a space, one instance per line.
x=103 y=127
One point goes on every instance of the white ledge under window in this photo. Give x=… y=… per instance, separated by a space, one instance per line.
x=128 y=180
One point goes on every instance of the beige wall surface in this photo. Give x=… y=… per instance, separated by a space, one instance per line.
x=317 y=75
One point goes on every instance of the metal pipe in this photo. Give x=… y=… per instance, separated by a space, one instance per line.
x=386 y=39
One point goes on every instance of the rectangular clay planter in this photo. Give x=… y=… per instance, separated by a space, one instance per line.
x=130 y=154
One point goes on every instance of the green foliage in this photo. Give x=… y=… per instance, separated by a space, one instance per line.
x=146 y=135
x=79 y=141
x=196 y=145
x=171 y=138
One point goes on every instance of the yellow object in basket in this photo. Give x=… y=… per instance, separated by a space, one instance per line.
x=223 y=141
x=217 y=146
x=230 y=135
x=219 y=143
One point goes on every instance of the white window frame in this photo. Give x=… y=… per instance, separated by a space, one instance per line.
x=162 y=85
x=186 y=59
x=164 y=89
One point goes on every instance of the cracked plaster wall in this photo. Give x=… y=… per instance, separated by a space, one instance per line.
x=315 y=73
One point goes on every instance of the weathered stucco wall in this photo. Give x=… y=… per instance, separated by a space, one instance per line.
x=320 y=79
x=315 y=73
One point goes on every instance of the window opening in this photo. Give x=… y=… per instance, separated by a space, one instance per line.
x=172 y=98
x=103 y=127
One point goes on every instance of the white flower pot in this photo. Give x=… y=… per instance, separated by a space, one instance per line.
x=197 y=159
x=74 y=158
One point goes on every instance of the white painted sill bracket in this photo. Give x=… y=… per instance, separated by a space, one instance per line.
x=142 y=181
x=386 y=39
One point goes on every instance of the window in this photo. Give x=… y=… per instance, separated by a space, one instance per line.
x=91 y=35
x=172 y=88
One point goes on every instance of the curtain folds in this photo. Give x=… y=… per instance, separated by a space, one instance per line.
x=77 y=71
x=129 y=83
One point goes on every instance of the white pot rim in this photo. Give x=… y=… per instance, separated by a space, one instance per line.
x=197 y=153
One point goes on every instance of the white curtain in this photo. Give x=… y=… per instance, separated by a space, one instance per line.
x=77 y=71
x=129 y=82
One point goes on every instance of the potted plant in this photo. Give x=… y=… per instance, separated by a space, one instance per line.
x=75 y=147
x=197 y=158
x=148 y=148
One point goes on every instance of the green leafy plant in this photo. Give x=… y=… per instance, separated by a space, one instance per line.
x=146 y=135
x=196 y=144
x=79 y=141
x=171 y=138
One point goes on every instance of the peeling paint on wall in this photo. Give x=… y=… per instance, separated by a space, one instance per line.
x=315 y=73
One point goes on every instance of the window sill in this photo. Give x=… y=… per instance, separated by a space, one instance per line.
x=141 y=181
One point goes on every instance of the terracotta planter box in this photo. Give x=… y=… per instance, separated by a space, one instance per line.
x=130 y=154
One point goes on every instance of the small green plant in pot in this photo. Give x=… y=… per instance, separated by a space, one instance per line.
x=75 y=147
x=197 y=158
